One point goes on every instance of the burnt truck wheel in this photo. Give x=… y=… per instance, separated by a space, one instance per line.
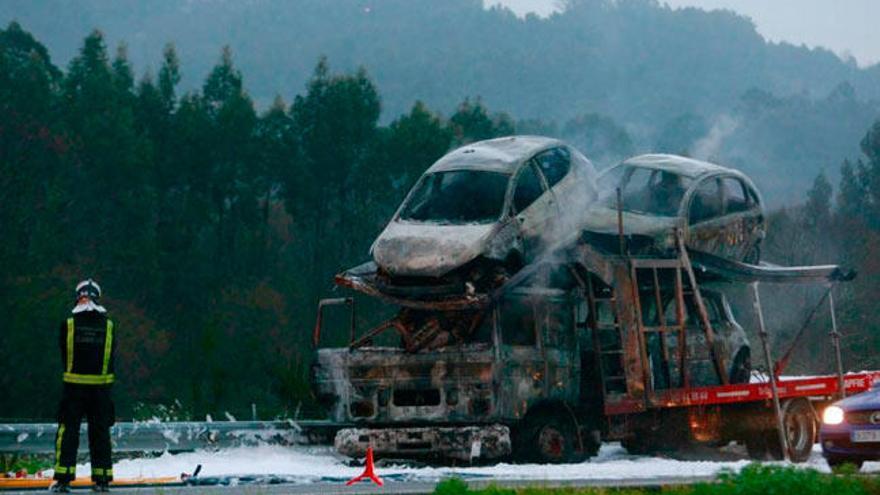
x=800 y=429
x=548 y=438
x=800 y=433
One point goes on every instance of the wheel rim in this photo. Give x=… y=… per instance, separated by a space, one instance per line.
x=796 y=430
x=551 y=442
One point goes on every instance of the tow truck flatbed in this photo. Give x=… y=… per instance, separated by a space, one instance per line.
x=815 y=387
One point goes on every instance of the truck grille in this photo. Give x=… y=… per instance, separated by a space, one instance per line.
x=417 y=397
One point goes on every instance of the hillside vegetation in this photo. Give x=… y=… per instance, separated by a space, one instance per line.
x=686 y=81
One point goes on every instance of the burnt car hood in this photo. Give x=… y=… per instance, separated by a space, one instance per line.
x=429 y=249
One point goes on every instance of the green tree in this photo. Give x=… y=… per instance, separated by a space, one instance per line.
x=278 y=163
x=817 y=210
x=416 y=140
x=169 y=77
x=336 y=122
x=33 y=150
x=850 y=200
x=472 y=122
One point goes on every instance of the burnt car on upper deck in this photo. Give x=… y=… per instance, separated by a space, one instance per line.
x=717 y=209
x=476 y=216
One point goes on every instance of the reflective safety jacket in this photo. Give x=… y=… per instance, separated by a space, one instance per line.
x=87 y=348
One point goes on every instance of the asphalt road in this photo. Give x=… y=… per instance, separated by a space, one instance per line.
x=390 y=487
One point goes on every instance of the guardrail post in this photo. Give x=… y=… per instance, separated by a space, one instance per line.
x=762 y=332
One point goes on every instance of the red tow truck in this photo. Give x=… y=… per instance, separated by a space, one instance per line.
x=615 y=348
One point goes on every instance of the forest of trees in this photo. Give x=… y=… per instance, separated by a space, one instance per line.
x=214 y=225
x=646 y=76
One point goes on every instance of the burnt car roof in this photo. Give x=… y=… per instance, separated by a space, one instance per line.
x=497 y=155
x=679 y=165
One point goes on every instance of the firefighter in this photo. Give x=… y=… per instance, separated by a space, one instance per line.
x=87 y=343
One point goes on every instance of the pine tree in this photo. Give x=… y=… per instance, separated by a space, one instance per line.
x=169 y=78
x=336 y=122
x=851 y=198
x=472 y=122
x=416 y=140
x=817 y=210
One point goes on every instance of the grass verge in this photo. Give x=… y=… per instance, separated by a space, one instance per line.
x=754 y=479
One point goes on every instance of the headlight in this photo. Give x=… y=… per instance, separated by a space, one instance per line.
x=832 y=415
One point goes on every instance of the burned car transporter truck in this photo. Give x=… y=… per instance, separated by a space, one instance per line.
x=588 y=342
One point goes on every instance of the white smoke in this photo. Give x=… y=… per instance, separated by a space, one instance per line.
x=709 y=146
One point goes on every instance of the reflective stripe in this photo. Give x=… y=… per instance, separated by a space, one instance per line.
x=58 y=446
x=102 y=472
x=88 y=379
x=108 y=347
x=83 y=379
x=65 y=469
x=69 y=345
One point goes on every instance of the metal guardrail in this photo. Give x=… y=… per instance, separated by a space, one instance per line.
x=35 y=438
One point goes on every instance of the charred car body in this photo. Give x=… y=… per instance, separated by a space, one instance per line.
x=718 y=210
x=476 y=216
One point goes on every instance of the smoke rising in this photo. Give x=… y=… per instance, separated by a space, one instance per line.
x=709 y=146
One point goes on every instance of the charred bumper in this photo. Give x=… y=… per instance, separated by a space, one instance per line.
x=436 y=294
x=465 y=443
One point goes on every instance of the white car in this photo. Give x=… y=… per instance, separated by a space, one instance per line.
x=478 y=215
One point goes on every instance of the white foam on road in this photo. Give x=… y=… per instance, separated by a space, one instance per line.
x=311 y=464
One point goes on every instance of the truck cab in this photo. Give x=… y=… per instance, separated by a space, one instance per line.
x=460 y=400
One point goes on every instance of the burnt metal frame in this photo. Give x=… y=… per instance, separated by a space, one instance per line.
x=643 y=384
x=319 y=321
x=772 y=375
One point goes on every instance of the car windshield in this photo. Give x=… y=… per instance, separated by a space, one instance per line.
x=644 y=190
x=457 y=197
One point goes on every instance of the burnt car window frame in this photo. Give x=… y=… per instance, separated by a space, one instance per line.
x=695 y=195
x=416 y=189
x=523 y=304
x=555 y=178
x=638 y=197
x=558 y=319
x=519 y=175
x=748 y=202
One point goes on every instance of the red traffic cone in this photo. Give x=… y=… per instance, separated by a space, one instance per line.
x=369 y=471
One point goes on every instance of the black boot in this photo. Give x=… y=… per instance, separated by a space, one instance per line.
x=61 y=487
x=101 y=486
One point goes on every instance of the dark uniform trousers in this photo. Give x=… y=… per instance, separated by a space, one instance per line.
x=94 y=403
x=87 y=354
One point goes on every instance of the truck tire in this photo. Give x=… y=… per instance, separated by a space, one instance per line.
x=547 y=437
x=799 y=421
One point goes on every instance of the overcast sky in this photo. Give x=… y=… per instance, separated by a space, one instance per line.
x=847 y=27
